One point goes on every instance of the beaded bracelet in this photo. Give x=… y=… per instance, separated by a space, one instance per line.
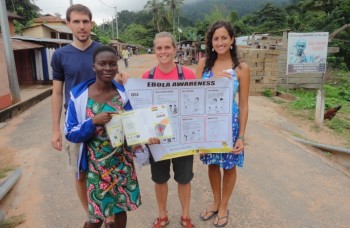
x=241 y=138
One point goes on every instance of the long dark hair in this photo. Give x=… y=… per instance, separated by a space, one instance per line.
x=212 y=55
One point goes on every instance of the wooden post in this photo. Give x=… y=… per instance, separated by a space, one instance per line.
x=320 y=104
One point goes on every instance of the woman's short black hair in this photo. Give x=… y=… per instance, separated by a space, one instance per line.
x=103 y=48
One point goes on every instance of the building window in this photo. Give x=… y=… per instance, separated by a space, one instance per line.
x=63 y=36
x=53 y=35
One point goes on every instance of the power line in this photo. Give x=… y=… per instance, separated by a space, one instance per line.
x=116 y=17
x=106 y=4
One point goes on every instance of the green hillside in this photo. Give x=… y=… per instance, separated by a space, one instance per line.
x=197 y=10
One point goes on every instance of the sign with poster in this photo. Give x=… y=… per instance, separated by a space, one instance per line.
x=307 y=52
x=200 y=113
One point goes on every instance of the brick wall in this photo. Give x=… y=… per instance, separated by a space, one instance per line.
x=264 y=68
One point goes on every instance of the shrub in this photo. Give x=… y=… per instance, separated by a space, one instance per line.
x=267 y=92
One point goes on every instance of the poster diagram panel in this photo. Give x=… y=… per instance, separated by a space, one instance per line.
x=218 y=101
x=193 y=102
x=218 y=129
x=169 y=97
x=192 y=130
x=142 y=98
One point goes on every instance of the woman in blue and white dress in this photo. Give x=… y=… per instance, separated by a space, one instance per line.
x=222 y=61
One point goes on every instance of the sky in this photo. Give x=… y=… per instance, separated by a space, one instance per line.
x=102 y=10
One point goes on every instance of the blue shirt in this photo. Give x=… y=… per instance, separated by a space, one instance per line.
x=72 y=66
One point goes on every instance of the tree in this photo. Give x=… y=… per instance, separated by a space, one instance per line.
x=25 y=9
x=192 y=34
x=215 y=15
x=136 y=34
x=202 y=27
x=101 y=35
x=126 y=18
x=156 y=7
x=233 y=16
x=242 y=29
x=174 y=6
x=270 y=18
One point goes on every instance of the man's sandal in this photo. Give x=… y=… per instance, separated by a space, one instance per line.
x=188 y=222
x=205 y=217
x=159 y=221
x=219 y=218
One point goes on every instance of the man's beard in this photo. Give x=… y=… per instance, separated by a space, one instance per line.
x=83 y=40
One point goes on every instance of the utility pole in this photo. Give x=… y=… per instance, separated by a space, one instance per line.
x=112 y=28
x=10 y=59
x=116 y=21
x=71 y=2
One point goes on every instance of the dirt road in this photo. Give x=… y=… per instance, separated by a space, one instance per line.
x=283 y=183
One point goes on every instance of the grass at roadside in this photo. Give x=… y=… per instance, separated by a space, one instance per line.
x=337 y=92
x=13 y=221
x=4 y=171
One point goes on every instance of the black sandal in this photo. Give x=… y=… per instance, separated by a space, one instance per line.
x=204 y=218
x=219 y=218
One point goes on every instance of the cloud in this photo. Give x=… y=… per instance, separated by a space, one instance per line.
x=102 y=10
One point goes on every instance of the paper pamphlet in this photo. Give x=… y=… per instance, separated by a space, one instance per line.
x=115 y=130
x=139 y=125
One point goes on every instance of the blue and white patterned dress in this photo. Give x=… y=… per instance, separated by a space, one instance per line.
x=227 y=160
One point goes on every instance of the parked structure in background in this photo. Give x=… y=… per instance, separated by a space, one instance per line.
x=187 y=52
x=49 y=26
x=50 y=32
x=118 y=46
x=32 y=54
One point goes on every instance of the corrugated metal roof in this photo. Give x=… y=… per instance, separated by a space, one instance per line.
x=13 y=15
x=21 y=45
x=48 y=18
x=59 y=28
x=46 y=40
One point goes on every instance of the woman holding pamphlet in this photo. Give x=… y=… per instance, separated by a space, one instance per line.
x=222 y=61
x=112 y=185
x=165 y=51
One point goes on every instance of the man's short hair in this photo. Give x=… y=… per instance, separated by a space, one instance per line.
x=78 y=8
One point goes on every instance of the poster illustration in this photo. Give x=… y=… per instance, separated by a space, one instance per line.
x=307 y=52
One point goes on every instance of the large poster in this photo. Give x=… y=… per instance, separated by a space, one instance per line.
x=307 y=52
x=200 y=113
